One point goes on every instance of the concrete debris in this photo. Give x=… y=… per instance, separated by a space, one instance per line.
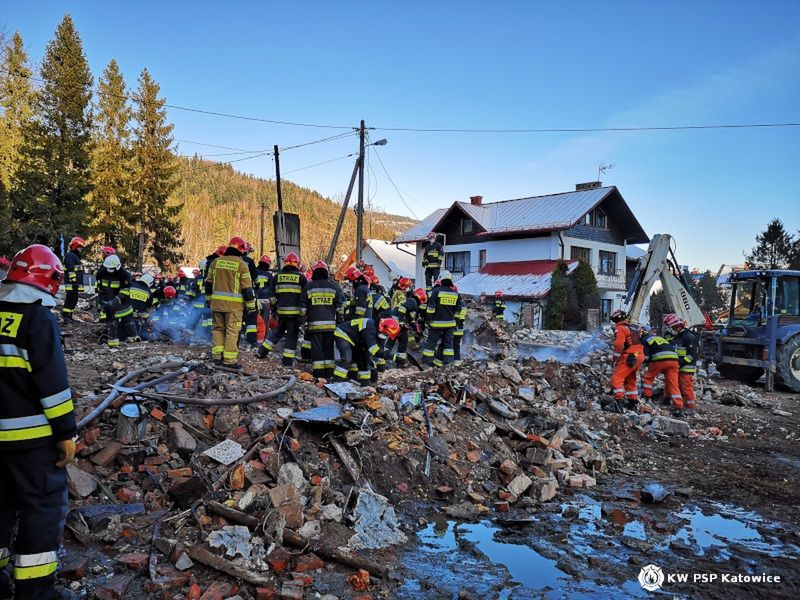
x=291 y=474
x=671 y=426
x=80 y=483
x=226 y=452
x=376 y=523
x=235 y=539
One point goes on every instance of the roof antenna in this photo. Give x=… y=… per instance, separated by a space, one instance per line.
x=602 y=168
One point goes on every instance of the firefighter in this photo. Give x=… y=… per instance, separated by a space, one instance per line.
x=251 y=317
x=263 y=285
x=116 y=303
x=432 y=256
x=229 y=292
x=661 y=357
x=686 y=345
x=399 y=291
x=322 y=299
x=286 y=302
x=458 y=334
x=220 y=251
x=73 y=271
x=361 y=305
x=442 y=307
x=37 y=427
x=381 y=309
x=107 y=251
x=357 y=343
x=141 y=301
x=499 y=306
x=628 y=345
x=406 y=314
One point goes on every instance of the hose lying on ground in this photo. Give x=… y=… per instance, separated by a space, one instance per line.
x=221 y=401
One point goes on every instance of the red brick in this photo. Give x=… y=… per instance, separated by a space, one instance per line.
x=74 y=568
x=265 y=593
x=257 y=465
x=136 y=561
x=508 y=467
x=127 y=469
x=184 y=472
x=402 y=488
x=195 y=591
x=219 y=590
x=268 y=437
x=292 y=590
x=127 y=494
x=316 y=480
x=156 y=460
x=279 y=559
x=472 y=445
x=303 y=579
x=294 y=445
x=501 y=507
x=359 y=581
x=308 y=562
x=107 y=455
x=363 y=597
x=504 y=495
x=473 y=456
x=239 y=431
x=157 y=414
x=91 y=436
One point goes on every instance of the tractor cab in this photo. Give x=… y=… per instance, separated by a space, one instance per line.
x=762 y=333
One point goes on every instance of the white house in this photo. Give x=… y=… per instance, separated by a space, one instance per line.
x=514 y=245
x=387 y=259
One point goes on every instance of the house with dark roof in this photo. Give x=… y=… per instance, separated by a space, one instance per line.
x=514 y=245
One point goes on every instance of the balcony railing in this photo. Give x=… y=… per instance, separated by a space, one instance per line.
x=615 y=280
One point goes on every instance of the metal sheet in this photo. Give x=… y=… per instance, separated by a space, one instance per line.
x=322 y=414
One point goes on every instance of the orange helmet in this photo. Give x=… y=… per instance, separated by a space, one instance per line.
x=106 y=251
x=292 y=259
x=36 y=266
x=76 y=242
x=389 y=327
x=404 y=283
x=169 y=292
x=320 y=264
x=238 y=243
x=421 y=295
x=220 y=250
x=375 y=281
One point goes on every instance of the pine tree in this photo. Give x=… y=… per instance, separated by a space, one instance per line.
x=112 y=162
x=7 y=245
x=156 y=219
x=586 y=290
x=16 y=103
x=773 y=249
x=49 y=189
x=557 y=299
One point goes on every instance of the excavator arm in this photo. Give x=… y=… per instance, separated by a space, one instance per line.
x=659 y=264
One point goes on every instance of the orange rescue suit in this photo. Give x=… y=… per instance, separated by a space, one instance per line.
x=631 y=354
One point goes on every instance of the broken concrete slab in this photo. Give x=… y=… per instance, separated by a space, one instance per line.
x=671 y=426
x=80 y=483
x=291 y=473
x=226 y=452
x=376 y=523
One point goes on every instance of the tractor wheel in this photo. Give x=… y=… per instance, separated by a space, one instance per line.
x=789 y=364
x=748 y=375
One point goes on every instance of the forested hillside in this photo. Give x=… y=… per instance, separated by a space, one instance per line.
x=219 y=202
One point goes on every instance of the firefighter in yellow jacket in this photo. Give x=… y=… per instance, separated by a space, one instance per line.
x=229 y=292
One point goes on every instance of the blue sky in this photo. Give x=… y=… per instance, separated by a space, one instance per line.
x=481 y=65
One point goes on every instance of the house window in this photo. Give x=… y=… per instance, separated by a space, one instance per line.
x=578 y=253
x=466 y=226
x=481 y=258
x=608 y=263
x=457 y=262
x=606 y=307
x=596 y=218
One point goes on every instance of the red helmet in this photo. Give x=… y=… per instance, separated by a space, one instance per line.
x=196 y=272
x=169 y=292
x=356 y=275
x=498 y=294
x=238 y=243
x=4 y=263
x=348 y=274
x=265 y=259
x=308 y=274
x=404 y=283
x=673 y=321
x=220 y=250
x=159 y=277
x=37 y=266
x=107 y=251
x=374 y=280
x=320 y=264
x=389 y=327
x=292 y=259
x=76 y=242
x=421 y=295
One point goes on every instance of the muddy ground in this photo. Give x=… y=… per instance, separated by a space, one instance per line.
x=733 y=504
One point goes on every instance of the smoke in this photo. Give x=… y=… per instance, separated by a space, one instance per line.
x=180 y=323
x=567 y=355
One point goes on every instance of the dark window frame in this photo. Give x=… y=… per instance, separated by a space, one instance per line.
x=581 y=249
x=607 y=262
x=481 y=258
x=464 y=229
x=450 y=261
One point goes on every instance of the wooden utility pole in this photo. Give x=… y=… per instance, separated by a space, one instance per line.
x=279 y=231
x=360 y=209
x=342 y=213
x=263 y=211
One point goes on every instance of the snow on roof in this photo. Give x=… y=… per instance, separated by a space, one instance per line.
x=423 y=228
x=401 y=259
x=634 y=252
x=514 y=286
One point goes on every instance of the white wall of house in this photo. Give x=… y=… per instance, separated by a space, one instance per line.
x=614 y=282
x=381 y=271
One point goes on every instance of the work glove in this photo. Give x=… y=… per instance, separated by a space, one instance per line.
x=66 y=453
x=630 y=360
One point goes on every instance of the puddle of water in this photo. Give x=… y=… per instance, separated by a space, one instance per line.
x=789 y=460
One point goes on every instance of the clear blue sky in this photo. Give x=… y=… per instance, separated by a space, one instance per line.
x=478 y=64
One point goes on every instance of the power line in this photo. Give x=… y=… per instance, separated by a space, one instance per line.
x=223 y=163
x=318 y=164
x=389 y=177
x=590 y=129
x=217 y=146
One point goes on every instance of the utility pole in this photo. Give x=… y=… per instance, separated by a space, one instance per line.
x=360 y=209
x=281 y=225
x=263 y=211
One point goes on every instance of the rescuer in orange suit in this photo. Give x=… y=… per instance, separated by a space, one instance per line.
x=631 y=355
x=662 y=357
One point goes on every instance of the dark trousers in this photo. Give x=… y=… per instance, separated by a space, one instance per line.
x=33 y=497
x=140 y=326
x=457 y=345
x=117 y=326
x=353 y=363
x=290 y=328
x=397 y=350
x=436 y=336
x=250 y=328
x=431 y=275
x=322 y=354
x=70 y=302
x=305 y=346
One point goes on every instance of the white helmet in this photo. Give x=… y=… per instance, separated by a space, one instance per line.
x=445 y=274
x=202 y=264
x=112 y=262
x=147 y=279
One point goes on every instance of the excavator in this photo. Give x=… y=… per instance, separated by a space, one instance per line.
x=762 y=332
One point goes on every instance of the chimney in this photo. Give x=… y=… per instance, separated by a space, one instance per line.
x=589 y=185
x=476 y=200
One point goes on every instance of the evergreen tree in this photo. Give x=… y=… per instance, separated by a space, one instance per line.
x=557 y=299
x=586 y=290
x=49 y=189
x=794 y=255
x=156 y=219
x=16 y=103
x=773 y=249
x=112 y=162
x=707 y=293
x=7 y=245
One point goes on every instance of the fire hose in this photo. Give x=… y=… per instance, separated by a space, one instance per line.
x=221 y=401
